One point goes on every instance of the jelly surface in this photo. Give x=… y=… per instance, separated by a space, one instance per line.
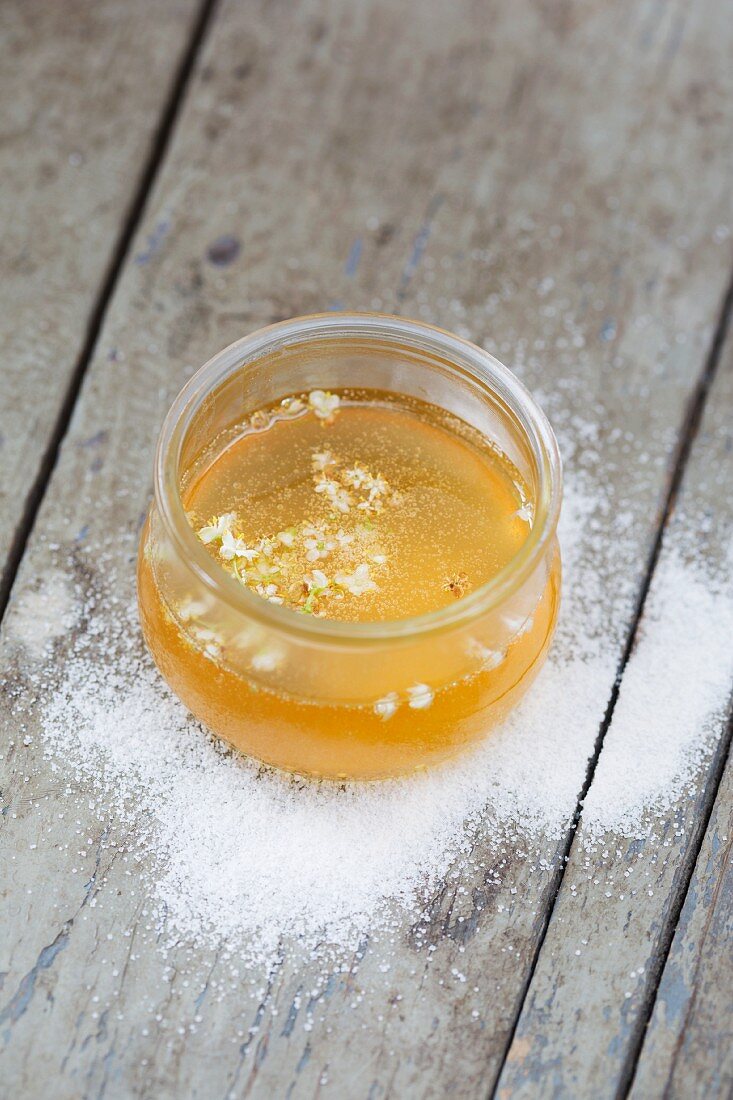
x=376 y=509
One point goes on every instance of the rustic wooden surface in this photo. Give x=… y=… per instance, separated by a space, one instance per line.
x=617 y=904
x=550 y=179
x=84 y=89
x=688 y=1050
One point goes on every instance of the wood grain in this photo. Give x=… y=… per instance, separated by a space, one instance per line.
x=614 y=916
x=84 y=88
x=688 y=1049
x=519 y=172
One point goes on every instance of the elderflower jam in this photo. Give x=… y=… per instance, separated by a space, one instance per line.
x=348 y=580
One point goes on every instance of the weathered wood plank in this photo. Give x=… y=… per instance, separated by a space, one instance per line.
x=688 y=1049
x=581 y=1023
x=499 y=183
x=84 y=88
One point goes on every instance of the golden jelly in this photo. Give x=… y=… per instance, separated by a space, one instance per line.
x=350 y=568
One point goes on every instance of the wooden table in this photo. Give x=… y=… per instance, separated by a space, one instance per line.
x=176 y=174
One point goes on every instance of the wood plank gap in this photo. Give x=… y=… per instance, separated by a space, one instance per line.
x=688 y=434
x=130 y=224
x=711 y=790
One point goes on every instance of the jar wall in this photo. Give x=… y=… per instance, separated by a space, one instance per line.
x=347 y=700
x=341 y=711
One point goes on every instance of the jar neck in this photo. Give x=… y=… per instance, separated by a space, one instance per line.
x=336 y=350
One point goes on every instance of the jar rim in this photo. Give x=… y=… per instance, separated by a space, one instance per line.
x=461 y=355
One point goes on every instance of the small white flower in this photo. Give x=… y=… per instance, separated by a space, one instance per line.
x=323 y=403
x=259 y=420
x=341 y=501
x=291 y=406
x=384 y=708
x=358 y=582
x=232 y=547
x=493 y=658
x=192 y=609
x=209 y=640
x=326 y=485
x=246 y=638
x=269 y=592
x=356 y=476
x=287 y=538
x=263 y=569
x=421 y=696
x=517 y=626
x=321 y=459
x=317 y=580
x=377 y=487
x=526 y=512
x=265 y=547
x=343 y=539
x=487 y=658
x=317 y=548
x=266 y=660
x=379 y=559
x=217 y=528
x=371 y=505
x=338 y=496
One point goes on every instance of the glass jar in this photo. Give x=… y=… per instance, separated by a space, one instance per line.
x=332 y=698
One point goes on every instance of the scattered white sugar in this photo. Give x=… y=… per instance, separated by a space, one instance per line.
x=253 y=856
x=673 y=697
x=43 y=612
x=236 y=853
x=247 y=854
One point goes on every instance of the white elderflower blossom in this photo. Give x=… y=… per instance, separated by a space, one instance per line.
x=235 y=547
x=266 y=547
x=318 y=546
x=358 y=582
x=356 y=476
x=384 y=708
x=377 y=487
x=317 y=581
x=192 y=609
x=324 y=404
x=341 y=501
x=487 y=658
x=262 y=570
x=317 y=584
x=269 y=592
x=291 y=406
x=209 y=641
x=327 y=485
x=421 y=696
x=321 y=460
x=518 y=626
x=217 y=528
x=337 y=495
x=370 y=505
x=266 y=659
